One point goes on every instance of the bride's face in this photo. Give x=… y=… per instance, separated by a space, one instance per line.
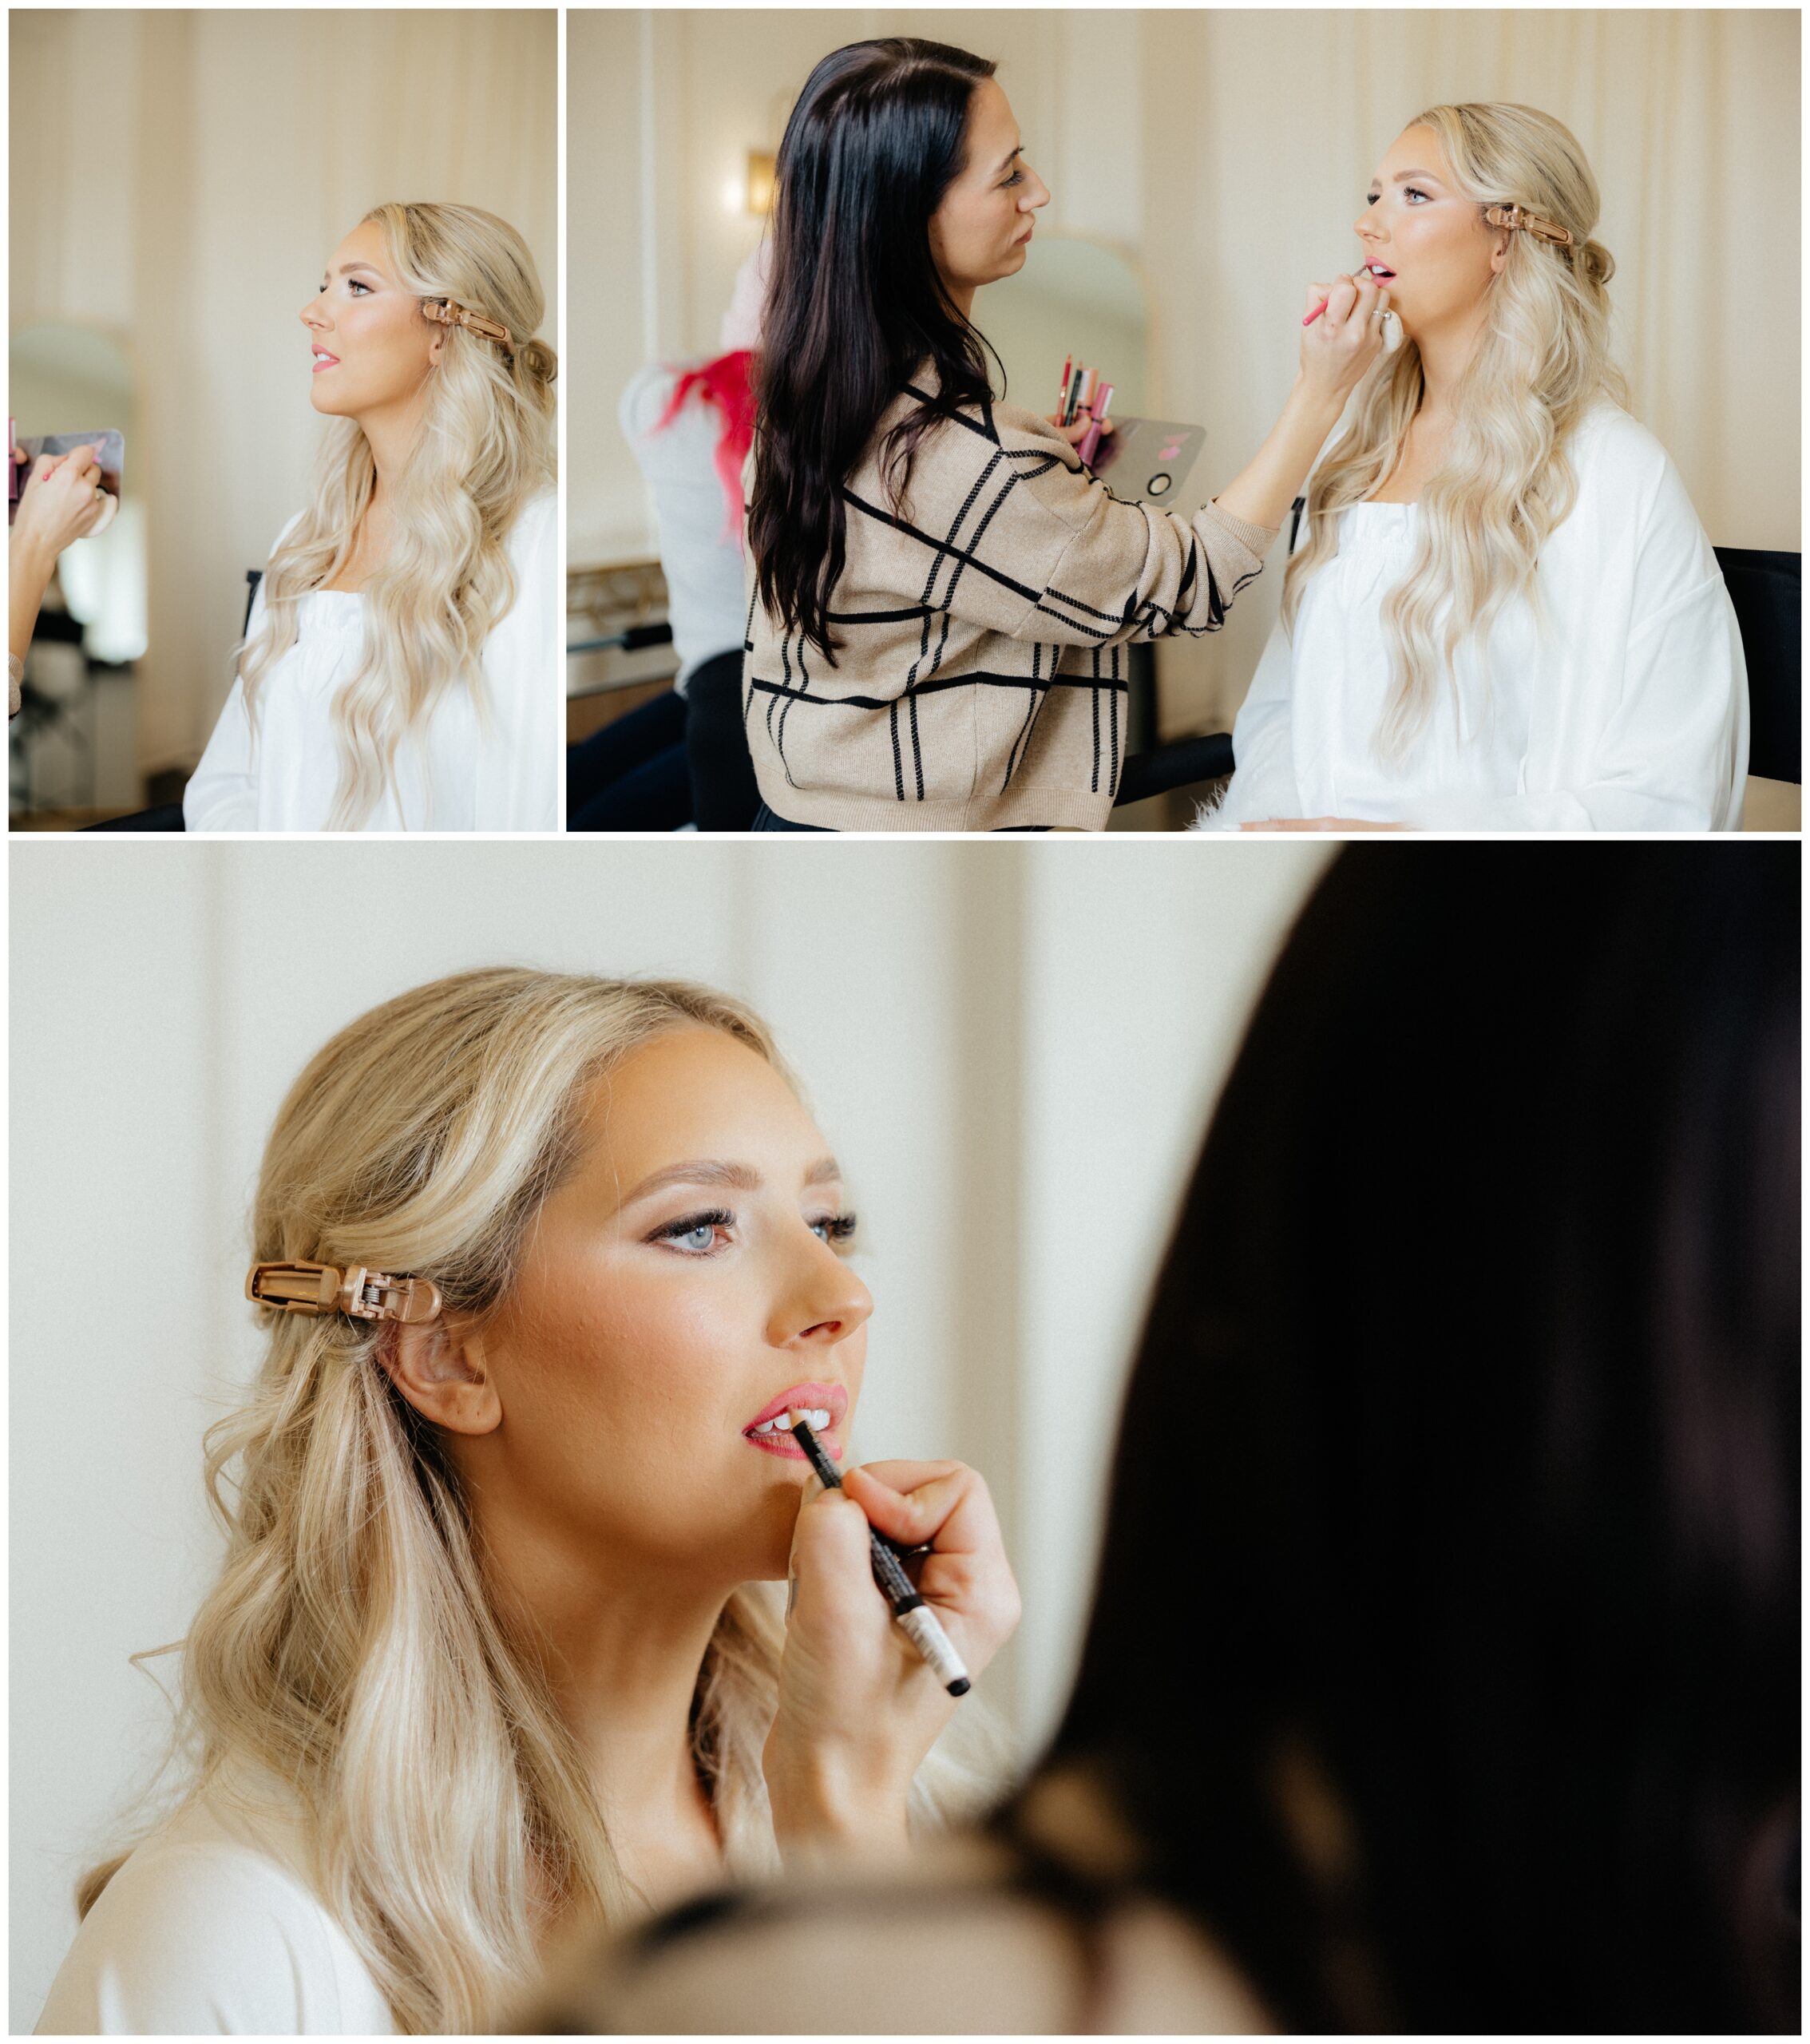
x=684 y=1284
x=1417 y=225
x=371 y=347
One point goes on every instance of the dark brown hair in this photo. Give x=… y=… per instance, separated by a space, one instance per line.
x=1445 y=1647
x=855 y=303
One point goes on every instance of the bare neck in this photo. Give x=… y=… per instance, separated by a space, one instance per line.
x=1447 y=351
x=391 y=432
x=622 y=1648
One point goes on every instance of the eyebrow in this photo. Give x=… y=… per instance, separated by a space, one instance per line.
x=1402 y=176
x=1017 y=149
x=346 y=269
x=740 y=1178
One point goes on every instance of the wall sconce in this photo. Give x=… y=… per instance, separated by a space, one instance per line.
x=761 y=164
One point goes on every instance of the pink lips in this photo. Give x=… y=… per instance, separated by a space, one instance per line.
x=824 y=1397
x=325 y=361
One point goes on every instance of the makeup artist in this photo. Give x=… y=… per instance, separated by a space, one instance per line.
x=940 y=596
x=1442 y=1675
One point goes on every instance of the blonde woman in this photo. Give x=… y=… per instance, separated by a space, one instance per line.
x=1502 y=612
x=401 y=668
x=498 y=1644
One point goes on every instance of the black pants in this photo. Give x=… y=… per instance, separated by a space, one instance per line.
x=765 y=820
x=724 y=792
x=676 y=760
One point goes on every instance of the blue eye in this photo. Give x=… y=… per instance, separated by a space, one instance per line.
x=696 y=1234
x=1413 y=191
x=353 y=283
x=833 y=1228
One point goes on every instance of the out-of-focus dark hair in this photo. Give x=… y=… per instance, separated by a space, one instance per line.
x=1445 y=1650
x=855 y=303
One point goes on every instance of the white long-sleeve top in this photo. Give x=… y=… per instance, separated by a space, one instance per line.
x=700 y=553
x=210 y=1928
x=463 y=771
x=1622 y=705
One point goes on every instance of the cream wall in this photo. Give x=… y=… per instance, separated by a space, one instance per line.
x=1230 y=150
x=178 y=179
x=1011 y=1048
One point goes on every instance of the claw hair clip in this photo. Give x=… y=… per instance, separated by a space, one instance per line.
x=1519 y=218
x=314 y=1289
x=446 y=313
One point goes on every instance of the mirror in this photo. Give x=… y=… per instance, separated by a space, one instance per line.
x=1073 y=297
x=73 y=749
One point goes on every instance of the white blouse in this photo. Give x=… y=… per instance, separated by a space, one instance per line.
x=1620 y=705
x=210 y=1928
x=493 y=768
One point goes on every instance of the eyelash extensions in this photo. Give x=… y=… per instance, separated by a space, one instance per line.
x=840 y=1227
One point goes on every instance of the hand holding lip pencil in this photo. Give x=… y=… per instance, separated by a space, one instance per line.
x=1373 y=319
x=915 y=1617
x=1362 y=278
x=856 y=1713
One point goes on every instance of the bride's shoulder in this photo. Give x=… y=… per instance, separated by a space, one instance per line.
x=537 y=525
x=1610 y=445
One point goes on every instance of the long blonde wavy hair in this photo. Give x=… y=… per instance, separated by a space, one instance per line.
x=1506 y=484
x=350 y=1646
x=484 y=449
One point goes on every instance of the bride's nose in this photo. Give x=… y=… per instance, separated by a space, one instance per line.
x=313 y=315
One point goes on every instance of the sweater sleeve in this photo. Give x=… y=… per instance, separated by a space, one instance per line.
x=1134 y=572
x=1018 y=539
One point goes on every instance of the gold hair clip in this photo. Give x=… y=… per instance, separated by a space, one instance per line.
x=450 y=315
x=314 y=1289
x=1518 y=216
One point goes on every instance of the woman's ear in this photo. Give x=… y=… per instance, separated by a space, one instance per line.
x=439 y=1368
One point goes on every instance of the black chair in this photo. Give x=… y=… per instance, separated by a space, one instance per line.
x=1766 y=590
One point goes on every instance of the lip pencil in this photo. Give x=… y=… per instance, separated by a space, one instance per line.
x=915 y=1617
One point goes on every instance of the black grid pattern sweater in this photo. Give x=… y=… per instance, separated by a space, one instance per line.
x=979 y=679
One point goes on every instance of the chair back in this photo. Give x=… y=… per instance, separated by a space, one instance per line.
x=1766 y=591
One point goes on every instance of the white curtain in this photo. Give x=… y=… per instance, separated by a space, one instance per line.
x=178 y=179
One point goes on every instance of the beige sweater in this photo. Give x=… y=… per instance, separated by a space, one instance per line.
x=980 y=626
